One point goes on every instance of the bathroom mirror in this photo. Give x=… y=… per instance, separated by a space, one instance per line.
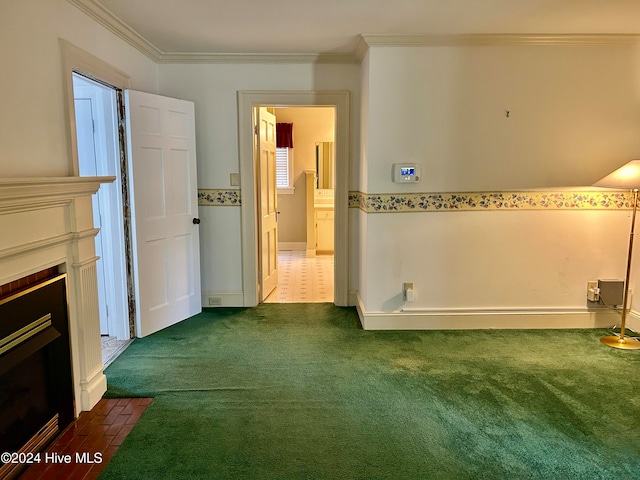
x=325 y=167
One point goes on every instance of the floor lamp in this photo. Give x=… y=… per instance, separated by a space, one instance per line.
x=626 y=177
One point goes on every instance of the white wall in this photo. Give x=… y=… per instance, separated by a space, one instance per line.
x=214 y=89
x=33 y=122
x=574 y=116
x=490 y=260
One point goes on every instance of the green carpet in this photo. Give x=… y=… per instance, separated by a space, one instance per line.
x=300 y=391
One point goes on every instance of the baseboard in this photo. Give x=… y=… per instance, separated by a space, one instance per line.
x=478 y=319
x=222 y=299
x=633 y=321
x=292 y=245
x=92 y=389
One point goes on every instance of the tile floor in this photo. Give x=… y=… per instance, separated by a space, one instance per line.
x=302 y=279
x=111 y=348
x=100 y=431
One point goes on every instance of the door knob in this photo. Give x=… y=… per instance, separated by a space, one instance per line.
x=196 y=221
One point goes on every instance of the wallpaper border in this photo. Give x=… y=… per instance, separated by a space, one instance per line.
x=457 y=201
x=215 y=197
x=489 y=201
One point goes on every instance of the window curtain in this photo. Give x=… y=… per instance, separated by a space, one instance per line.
x=284 y=135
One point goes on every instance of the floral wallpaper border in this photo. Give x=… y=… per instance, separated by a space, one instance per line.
x=465 y=201
x=489 y=201
x=212 y=197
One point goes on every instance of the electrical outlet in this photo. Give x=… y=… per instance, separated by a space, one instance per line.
x=215 y=301
x=592 y=291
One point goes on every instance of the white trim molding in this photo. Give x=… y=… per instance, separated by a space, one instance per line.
x=211 y=299
x=20 y=194
x=367 y=41
x=266 y=58
x=491 y=39
x=481 y=319
x=633 y=321
x=76 y=60
x=120 y=29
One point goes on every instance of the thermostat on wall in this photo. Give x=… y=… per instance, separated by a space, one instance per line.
x=406 y=172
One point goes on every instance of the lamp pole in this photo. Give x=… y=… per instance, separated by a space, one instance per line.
x=621 y=341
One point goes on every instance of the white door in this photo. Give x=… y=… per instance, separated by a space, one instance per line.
x=267 y=203
x=163 y=192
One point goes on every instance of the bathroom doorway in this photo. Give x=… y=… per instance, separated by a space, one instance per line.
x=249 y=103
x=305 y=177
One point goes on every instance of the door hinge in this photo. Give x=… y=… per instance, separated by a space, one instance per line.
x=256 y=130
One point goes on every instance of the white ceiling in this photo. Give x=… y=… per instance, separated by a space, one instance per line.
x=334 y=26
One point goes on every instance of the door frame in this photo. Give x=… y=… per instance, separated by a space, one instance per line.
x=76 y=60
x=247 y=101
x=107 y=197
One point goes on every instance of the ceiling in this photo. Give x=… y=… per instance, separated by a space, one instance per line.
x=334 y=26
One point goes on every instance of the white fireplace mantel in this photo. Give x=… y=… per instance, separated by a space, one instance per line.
x=46 y=222
x=16 y=192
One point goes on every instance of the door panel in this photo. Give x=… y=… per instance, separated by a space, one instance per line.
x=268 y=203
x=151 y=191
x=162 y=159
x=184 y=277
x=156 y=287
x=180 y=175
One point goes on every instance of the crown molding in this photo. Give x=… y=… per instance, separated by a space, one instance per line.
x=462 y=40
x=361 y=48
x=116 y=26
x=270 y=58
x=111 y=22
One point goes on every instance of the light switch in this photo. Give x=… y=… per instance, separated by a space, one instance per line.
x=234 y=179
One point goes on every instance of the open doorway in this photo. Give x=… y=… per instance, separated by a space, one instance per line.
x=98 y=148
x=305 y=182
x=247 y=103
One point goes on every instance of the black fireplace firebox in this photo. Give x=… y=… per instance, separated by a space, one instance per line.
x=36 y=386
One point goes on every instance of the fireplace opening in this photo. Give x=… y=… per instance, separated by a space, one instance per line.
x=36 y=386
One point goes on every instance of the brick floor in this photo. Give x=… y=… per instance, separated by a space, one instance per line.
x=96 y=434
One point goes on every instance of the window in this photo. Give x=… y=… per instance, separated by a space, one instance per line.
x=284 y=170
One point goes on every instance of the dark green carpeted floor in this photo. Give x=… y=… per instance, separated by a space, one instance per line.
x=299 y=391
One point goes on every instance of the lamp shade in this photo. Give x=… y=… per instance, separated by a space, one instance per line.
x=627 y=177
